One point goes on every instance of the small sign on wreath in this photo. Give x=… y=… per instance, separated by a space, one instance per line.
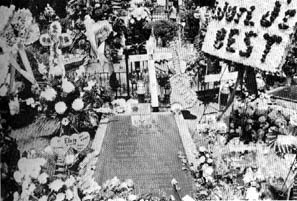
x=78 y=142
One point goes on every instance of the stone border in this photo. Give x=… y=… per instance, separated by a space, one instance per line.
x=100 y=134
x=186 y=138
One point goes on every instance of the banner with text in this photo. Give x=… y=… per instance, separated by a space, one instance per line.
x=252 y=32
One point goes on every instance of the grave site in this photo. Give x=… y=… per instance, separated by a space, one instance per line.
x=148 y=100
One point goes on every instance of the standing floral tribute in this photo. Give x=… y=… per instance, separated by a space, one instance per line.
x=71 y=101
x=38 y=183
x=137 y=34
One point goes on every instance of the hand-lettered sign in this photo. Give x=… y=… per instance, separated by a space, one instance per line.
x=78 y=142
x=252 y=32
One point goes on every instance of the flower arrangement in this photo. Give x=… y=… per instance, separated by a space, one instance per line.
x=72 y=102
x=137 y=19
x=38 y=183
x=18 y=27
x=257 y=119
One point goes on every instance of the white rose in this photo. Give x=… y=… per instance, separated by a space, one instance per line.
x=78 y=104
x=67 y=86
x=18 y=176
x=60 y=197
x=69 y=194
x=43 y=178
x=48 y=94
x=60 y=107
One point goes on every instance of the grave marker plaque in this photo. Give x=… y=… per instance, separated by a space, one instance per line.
x=144 y=152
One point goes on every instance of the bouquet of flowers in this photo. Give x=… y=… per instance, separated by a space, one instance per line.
x=138 y=18
x=257 y=119
x=18 y=27
x=72 y=102
x=38 y=182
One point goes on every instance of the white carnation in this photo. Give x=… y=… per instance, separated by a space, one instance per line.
x=60 y=107
x=78 y=104
x=70 y=181
x=56 y=185
x=48 y=94
x=67 y=86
